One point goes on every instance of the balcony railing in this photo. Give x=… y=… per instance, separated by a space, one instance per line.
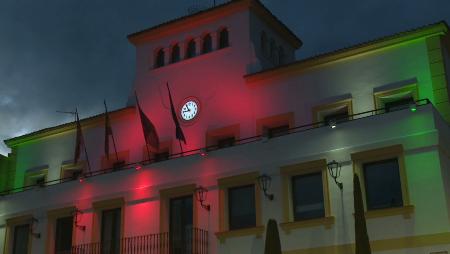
x=194 y=241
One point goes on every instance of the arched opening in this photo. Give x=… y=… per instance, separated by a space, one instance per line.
x=175 y=56
x=273 y=52
x=190 y=52
x=223 y=39
x=159 y=62
x=281 y=56
x=207 y=44
x=264 y=48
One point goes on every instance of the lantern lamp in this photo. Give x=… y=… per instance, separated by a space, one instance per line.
x=334 y=168
x=265 y=182
x=201 y=193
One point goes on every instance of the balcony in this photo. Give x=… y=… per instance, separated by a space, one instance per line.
x=193 y=241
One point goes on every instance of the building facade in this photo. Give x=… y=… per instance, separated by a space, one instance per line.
x=251 y=114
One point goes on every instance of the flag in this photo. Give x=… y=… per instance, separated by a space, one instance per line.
x=150 y=135
x=108 y=131
x=79 y=140
x=362 y=244
x=178 y=132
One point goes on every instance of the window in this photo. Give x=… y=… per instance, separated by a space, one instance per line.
x=223 y=39
x=276 y=125
x=307 y=196
x=160 y=57
x=396 y=98
x=162 y=156
x=110 y=234
x=226 y=142
x=63 y=236
x=191 y=49
x=207 y=44
x=333 y=112
x=36 y=176
x=277 y=131
x=70 y=171
x=114 y=162
x=264 y=48
x=239 y=206
x=21 y=239
x=241 y=202
x=383 y=181
x=181 y=224
x=399 y=104
x=382 y=184
x=175 y=55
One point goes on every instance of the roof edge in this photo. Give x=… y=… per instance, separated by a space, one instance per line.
x=13 y=142
x=438 y=28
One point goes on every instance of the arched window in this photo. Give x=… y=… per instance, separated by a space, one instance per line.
x=190 y=52
x=207 y=44
x=281 y=56
x=264 y=48
x=159 y=61
x=273 y=52
x=175 y=56
x=223 y=39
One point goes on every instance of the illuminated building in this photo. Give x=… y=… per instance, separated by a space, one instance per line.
x=380 y=109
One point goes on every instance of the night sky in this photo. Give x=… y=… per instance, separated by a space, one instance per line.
x=62 y=54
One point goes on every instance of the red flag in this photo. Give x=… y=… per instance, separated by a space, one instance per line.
x=108 y=131
x=178 y=132
x=79 y=141
x=150 y=135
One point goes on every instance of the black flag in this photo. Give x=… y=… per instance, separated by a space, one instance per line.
x=150 y=135
x=179 y=132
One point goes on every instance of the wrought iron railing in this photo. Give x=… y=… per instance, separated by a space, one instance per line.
x=194 y=241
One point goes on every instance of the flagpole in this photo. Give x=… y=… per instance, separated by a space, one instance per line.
x=145 y=138
x=112 y=135
x=181 y=147
x=84 y=142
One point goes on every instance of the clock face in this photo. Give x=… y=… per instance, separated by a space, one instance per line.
x=189 y=110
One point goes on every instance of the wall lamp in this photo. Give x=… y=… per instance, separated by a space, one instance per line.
x=265 y=182
x=33 y=224
x=334 y=168
x=77 y=214
x=201 y=193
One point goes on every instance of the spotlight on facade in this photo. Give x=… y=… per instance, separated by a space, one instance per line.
x=334 y=168
x=332 y=123
x=203 y=152
x=201 y=193
x=265 y=182
x=413 y=106
x=138 y=167
x=81 y=179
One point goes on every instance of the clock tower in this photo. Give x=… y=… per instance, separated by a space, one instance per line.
x=204 y=58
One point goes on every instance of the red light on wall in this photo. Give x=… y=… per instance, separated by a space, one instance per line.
x=203 y=153
x=138 y=167
x=81 y=179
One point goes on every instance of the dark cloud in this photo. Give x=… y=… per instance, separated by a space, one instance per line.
x=58 y=55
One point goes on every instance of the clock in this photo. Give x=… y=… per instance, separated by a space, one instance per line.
x=189 y=109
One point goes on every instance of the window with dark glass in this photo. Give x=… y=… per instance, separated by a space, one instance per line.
x=226 y=142
x=398 y=104
x=162 y=156
x=110 y=234
x=382 y=184
x=191 y=49
x=181 y=225
x=159 y=58
x=241 y=204
x=223 y=39
x=307 y=196
x=175 y=54
x=278 y=131
x=337 y=116
x=21 y=239
x=63 y=236
x=207 y=44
